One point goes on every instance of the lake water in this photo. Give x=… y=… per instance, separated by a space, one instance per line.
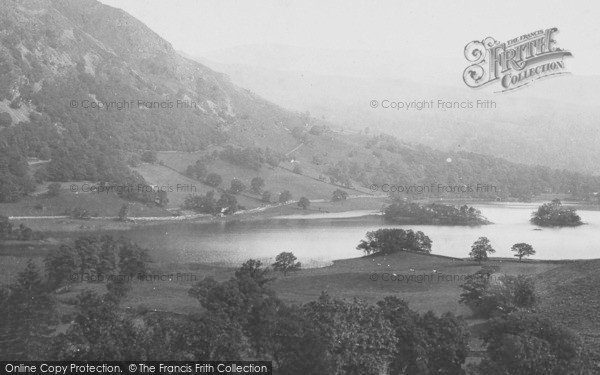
x=317 y=242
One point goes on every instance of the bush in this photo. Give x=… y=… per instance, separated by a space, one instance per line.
x=339 y=195
x=237 y=186
x=257 y=184
x=54 y=189
x=304 y=203
x=285 y=196
x=266 y=196
x=214 y=179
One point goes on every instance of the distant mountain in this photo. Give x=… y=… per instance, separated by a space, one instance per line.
x=553 y=122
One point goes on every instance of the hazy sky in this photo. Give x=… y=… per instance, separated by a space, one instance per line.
x=429 y=35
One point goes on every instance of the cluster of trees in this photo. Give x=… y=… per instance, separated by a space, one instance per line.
x=554 y=214
x=94 y=258
x=388 y=241
x=525 y=343
x=208 y=204
x=482 y=247
x=489 y=295
x=20 y=233
x=434 y=213
x=28 y=305
x=342 y=173
x=199 y=171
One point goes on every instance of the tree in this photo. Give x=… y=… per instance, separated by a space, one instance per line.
x=100 y=330
x=162 y=200
x=5 y=119
x=214 y=179
x=286 y=262
x=480 y=249
x=297 y=169
x=206 y=204
x=285 y=196
x=26 y=309
x=123 y=212
x=237 y=186
x=257 y=184
x=522 y=250
x=62 y=266
x=197 y=171
x=304 y=203
x=339 y=195
x=227 y=202
x=149 y=156
x=134 y=160
x=358 y=337
x=54 y=189
x=266 y=196
x=132 y=259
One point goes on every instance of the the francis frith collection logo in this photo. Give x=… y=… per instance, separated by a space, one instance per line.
x=515 y=63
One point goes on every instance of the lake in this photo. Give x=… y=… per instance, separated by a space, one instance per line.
x=320 y=238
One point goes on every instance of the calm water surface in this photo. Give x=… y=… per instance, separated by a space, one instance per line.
x=317 y=242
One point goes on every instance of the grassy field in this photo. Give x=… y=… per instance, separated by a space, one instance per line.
x=432 y=285
x=276 y=179
x=96 y=204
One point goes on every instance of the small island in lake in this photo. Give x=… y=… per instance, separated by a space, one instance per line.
x=434 y=213
x=554 y=214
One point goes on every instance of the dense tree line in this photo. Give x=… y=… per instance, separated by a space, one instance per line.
x=433 y=213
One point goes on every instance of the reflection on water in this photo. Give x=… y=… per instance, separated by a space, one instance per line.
x=317 y=242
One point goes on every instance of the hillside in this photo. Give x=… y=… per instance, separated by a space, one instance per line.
x=88 y=89
x=560 y=113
